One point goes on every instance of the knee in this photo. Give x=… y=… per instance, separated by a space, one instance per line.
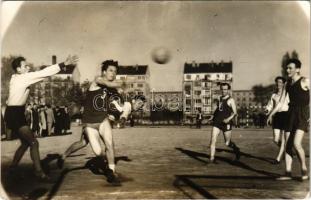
x=297 y=145
x=34 y=143
x=97 y=151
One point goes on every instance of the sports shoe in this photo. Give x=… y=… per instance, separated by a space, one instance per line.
x=41 y=176
x=112 y=178
x=213 y=161
x=237 y=153
x=60 y=162
x=304 y=175
x=275 y=162
x=287 y=176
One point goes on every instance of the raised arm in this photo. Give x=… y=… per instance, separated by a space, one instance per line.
x=112 y=84
x=34 y=77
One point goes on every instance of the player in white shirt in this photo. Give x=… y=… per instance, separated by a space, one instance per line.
x=278 y=116
x=15 y=112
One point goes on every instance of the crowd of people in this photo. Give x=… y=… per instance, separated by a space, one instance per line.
x=45 y=120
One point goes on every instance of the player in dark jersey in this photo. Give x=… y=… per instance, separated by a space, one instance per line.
x=222 y=121
x=102 y=105
x=297 y=89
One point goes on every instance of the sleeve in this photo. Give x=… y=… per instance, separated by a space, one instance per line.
x=270 y=105
x=34 y=77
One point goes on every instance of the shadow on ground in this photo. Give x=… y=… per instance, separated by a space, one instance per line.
x=23 y=183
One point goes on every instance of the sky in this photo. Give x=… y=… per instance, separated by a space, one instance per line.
x=253 y=35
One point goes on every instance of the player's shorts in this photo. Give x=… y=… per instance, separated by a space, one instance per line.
x=223 y=126
x=15 y=117
x=298 y=117
x=279 y=120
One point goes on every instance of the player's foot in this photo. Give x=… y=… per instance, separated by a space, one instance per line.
x=112 y=178
x=304 y=175
x=60 y=162
x=275 y=162
x=286 y=177
x=213 y=161
x=40 y=175
x=237 y=153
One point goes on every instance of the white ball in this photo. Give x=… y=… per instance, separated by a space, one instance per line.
x=161 y=55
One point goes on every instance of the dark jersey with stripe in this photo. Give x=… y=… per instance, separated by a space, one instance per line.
x=223 y=110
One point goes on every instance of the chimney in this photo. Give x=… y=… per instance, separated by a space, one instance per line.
x=54 y=61
x=194 y=64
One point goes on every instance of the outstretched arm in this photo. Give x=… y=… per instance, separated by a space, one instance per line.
x=34 y=77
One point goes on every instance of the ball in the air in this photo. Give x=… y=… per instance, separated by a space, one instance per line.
x=161 y=55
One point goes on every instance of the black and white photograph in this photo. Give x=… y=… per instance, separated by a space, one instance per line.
x=155 y=100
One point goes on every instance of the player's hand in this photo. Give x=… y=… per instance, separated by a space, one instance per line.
x=269 y=120
x=111 y=118
x=71 y=60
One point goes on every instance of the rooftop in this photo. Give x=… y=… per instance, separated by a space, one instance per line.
x=132 y=70
x=192 y=68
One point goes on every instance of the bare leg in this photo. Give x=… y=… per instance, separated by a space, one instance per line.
x=27 y=135
x=105 y=131
x=282 y=146
x=288 y=151
x=231 y=144
x=214 y=135
x=19 y=153
x=76 y=146
x=298 y=146
x=276 y=136
x=94 y=139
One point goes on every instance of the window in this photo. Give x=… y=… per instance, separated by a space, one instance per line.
x=197 y=92
x=198 y=101
x=197 y=83
x=188 y=101
x=188 y=76
x=207 y=77
x=122 y=78
x=140 y=85
x=132 y=85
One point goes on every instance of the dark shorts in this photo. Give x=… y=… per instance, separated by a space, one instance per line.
x=223 y=126
x=298 y=119
x=15 y=117
x=92 y=117
x=280 y=120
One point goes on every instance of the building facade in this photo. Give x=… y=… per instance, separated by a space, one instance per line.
x=137 y=79
x=171 y=100
x=201 y=86
x=245 y=99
